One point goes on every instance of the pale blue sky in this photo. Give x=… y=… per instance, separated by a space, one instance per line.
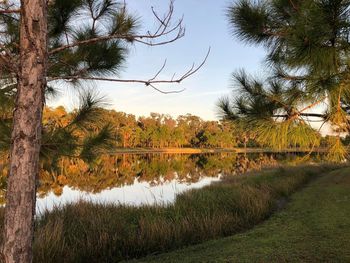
x=206 y=25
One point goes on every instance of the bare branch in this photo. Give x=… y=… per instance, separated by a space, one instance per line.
x=150 y=43
x=137 y=38
x=317 y=115
x=150 y=82
x=313 y=104
x=166 y=92
x=161 y=21
x=160 y=70
x=191 y=71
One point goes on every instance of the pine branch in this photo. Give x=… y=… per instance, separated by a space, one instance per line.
x=164 y=29
x=313 y=104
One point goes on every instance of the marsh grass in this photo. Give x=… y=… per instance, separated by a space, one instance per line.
x=87 y=232
x=314 y=227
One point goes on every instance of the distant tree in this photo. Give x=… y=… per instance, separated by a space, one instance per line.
x=69 y=42
x=308 y=56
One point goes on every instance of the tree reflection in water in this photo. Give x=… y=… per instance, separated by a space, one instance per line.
x=111 y=171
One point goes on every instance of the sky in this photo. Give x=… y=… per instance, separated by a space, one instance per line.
x=206 y=26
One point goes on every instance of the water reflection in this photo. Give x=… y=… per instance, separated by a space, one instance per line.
x=119 y=170
x=136 y=194
x=141 y=179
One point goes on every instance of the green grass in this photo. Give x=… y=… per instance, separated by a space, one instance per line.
x=314 y=227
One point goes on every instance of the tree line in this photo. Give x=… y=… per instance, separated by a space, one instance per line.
x=158 y=130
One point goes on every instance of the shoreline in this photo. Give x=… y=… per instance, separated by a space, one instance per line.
x=88 y=232
x=210 y=150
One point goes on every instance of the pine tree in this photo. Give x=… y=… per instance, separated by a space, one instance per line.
x=44 y=43
x=307 y=44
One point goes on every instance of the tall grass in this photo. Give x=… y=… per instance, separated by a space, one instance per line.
x=86 y=232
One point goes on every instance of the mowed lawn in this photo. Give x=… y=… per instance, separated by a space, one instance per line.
x=314 y=227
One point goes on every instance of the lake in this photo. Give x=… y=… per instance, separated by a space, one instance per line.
x=145 y=179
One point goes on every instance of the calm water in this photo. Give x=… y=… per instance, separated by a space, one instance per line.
x=143 y=179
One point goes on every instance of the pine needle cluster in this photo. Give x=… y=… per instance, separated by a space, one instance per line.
x=307 y=44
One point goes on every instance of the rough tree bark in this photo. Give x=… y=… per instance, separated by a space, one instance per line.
x=26 y=134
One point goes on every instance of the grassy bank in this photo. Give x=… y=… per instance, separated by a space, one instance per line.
x=314 y=227
x=86 y=232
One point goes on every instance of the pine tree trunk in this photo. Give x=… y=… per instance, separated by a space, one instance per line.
x=26 y=133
